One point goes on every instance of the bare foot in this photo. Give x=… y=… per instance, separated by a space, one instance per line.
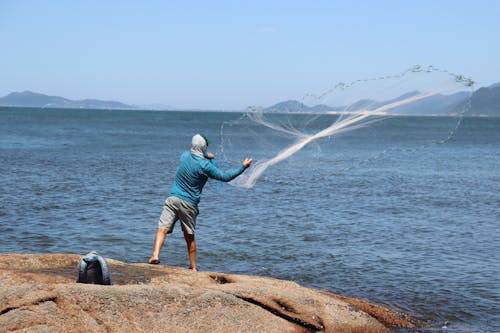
x=153 y=261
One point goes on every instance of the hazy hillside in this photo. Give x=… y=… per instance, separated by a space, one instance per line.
x=31 y=99
x=483 y=102
x=435 y=105
x=296 y=106
x=486 y=101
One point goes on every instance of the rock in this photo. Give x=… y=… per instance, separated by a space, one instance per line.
x=39 y=294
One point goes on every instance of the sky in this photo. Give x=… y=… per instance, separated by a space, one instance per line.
x=228 y=55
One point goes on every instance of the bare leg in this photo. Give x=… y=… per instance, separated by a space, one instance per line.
x=161 y=233
x=191 y=247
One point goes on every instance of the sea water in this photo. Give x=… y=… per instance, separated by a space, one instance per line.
x=417 y=231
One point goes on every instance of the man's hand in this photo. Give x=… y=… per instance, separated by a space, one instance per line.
x=210 y=156
x=247 y=162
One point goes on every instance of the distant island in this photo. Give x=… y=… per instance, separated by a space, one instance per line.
x=37 y=100
x=484 y=102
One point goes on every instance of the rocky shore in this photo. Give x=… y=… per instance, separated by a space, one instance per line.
x=38 y=293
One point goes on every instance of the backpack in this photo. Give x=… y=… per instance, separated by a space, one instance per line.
x=93 y=269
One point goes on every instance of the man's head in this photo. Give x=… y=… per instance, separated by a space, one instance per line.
x=199 y=145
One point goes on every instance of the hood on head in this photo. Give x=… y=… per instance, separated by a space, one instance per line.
x=198 y=145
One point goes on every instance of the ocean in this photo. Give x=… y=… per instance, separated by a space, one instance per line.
x=416 y=230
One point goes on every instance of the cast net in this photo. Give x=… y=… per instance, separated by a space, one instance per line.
x=350 y=124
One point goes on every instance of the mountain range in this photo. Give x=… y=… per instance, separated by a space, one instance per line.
x=483 y=102
x=37 y=100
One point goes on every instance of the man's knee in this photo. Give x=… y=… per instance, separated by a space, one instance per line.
x=187 y=236
x=162 y=230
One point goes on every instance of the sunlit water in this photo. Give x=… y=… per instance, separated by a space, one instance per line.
x=418 y=230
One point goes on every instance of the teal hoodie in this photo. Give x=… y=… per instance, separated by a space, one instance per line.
x=193 y=173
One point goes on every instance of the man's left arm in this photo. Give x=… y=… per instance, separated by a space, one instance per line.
x=212 y=171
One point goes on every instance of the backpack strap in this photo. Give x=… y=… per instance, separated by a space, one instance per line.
x=82 y=271
x=106 y=275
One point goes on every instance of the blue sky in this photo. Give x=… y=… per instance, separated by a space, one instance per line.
x=230 y=54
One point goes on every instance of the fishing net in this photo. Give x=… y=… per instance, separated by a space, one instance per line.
x=349 y=124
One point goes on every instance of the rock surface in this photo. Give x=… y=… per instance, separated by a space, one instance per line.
x=38 y=293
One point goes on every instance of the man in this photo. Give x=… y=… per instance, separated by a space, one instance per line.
x=194 y=169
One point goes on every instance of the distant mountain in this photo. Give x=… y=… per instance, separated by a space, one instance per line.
x=483 y=102
x=296 y=106
x=434 y=105
x=495 y=85
x=36 y=100
x=288 y=106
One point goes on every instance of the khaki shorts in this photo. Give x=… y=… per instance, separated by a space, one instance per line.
x=176 y=209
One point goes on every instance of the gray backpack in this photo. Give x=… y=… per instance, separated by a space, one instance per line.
x=93 y=269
